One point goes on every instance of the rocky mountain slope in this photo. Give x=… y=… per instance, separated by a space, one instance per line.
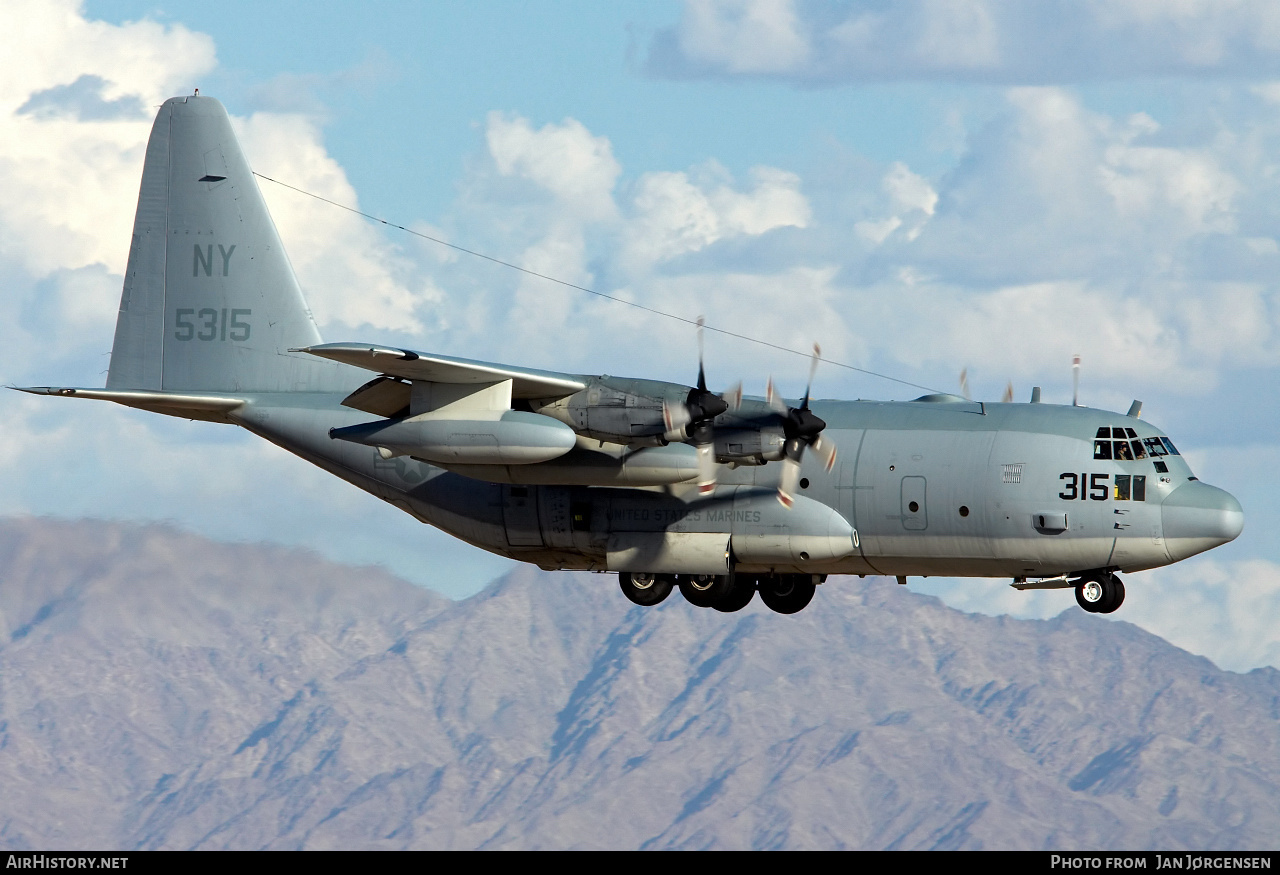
x=158 y=690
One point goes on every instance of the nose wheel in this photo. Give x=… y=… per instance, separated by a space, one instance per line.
x=1100 y=594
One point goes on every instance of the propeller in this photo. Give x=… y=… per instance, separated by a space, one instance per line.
x=1075 y=380
x=696 y=418
x=1007 y=397
x=803 y=430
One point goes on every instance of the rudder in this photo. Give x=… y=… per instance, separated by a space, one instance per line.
x=210 y=301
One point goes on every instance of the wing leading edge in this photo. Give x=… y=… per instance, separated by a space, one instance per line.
x=410 y=365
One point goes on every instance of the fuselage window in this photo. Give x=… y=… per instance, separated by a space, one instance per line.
x=1129 y=488
x=1161 y=467
x=1102 y=449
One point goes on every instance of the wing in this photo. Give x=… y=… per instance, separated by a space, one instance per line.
x=409 y=365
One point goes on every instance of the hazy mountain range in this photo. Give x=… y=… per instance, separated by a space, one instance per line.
x=159 y=690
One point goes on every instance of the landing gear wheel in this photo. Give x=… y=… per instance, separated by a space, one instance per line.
x=645 y=589
x=738 y=596
x=1100 y=595
x=1115 y=595
x=1090 y=594
x=787 y=593
x=704 y=590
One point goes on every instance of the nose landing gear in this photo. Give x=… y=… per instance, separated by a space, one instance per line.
x=1100 y=593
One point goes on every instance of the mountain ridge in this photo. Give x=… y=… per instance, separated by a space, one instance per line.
x=158 y=690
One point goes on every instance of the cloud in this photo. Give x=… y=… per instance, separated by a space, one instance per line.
x=349 y=271
x=912 y=200
x=72 y=143
x=53 y=48
x=71 y=153
x=1064 y=230
x=575 y=167
x=747 y=36
x=672 y=214
x=549 y=199
x=1001 y=41
x=1051 y=190
x=83 y=101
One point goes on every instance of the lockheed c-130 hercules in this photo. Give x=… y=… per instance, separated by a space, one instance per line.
x=669 y=486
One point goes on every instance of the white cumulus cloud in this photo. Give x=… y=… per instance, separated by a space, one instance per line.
x=985 y=40
x=673 y=213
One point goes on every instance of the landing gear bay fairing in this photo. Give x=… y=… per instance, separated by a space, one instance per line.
x=669 y=486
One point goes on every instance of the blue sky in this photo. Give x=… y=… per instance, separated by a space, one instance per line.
x=922 y=187
x=404 y=88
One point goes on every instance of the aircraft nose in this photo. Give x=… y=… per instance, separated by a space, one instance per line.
x=1199 y=517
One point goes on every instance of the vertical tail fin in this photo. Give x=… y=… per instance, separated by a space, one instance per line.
x=210 y=300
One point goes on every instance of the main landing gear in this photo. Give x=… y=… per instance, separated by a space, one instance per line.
x=783 y=593
x=1100 y=592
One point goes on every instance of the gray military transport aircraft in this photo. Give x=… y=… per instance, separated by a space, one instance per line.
x=667 y=485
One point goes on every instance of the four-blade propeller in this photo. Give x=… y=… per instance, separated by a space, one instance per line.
x=801 y=427
x=696 y=418
x=803 y=430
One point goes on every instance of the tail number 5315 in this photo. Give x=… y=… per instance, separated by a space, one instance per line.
x=211 y=324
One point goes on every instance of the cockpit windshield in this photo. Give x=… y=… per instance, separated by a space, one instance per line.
x=1122 y=444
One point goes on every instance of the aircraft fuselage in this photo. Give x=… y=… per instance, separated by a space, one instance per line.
x=948 y=488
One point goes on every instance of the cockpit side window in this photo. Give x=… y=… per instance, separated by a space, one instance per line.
x=1130 y=488
x=1138 y=452
x=1102 y=449
x=1170 y=447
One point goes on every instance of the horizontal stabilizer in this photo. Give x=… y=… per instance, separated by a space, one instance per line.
x=186 y=405
x=410 y=365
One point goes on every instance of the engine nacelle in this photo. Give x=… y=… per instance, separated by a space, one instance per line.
x=621 y=411
x=749 y=446
x=512 y=437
